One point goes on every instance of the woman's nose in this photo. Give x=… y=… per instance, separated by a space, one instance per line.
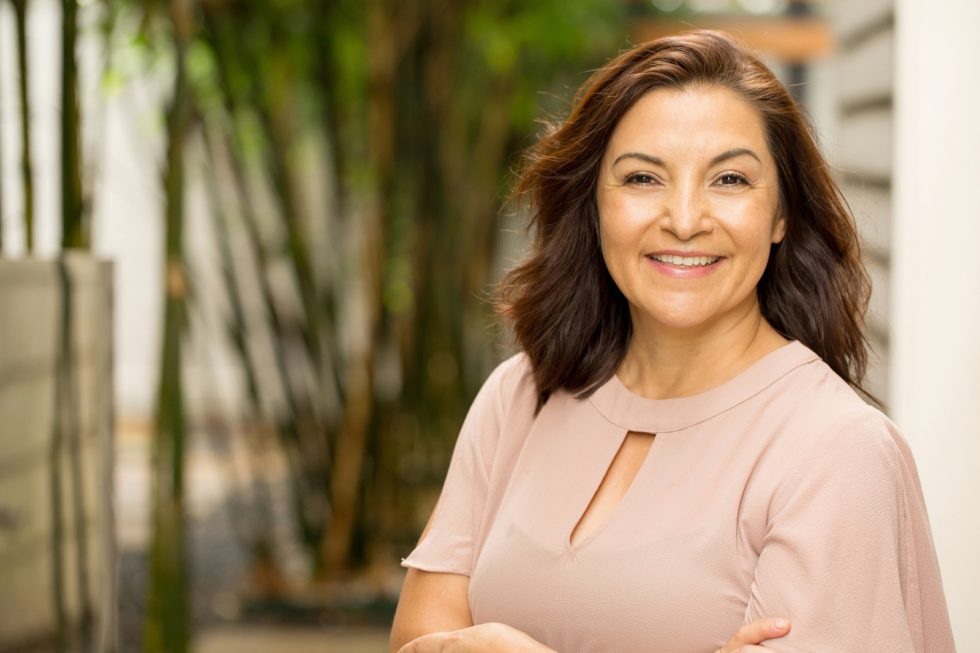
x=685 y=212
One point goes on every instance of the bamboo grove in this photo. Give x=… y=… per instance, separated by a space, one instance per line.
x=356 y=156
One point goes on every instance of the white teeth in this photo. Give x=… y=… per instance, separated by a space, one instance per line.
x=688 y=261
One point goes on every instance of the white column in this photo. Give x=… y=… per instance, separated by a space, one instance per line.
x=935 y=316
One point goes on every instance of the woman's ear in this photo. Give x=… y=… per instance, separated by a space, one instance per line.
x=779 y=228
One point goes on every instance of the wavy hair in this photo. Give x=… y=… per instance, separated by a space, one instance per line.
x=569 y=317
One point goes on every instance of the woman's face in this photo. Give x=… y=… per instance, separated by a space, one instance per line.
x=688 y=203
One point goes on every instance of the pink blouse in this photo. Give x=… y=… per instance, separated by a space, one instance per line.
x=777 y=493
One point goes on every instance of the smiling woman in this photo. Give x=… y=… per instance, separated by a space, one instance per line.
x=678 y=453
x=687 y=215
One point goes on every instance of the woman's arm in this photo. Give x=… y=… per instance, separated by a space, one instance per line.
x=847 y=550
x=434 y=607
x=433 y=614
x=429 y=602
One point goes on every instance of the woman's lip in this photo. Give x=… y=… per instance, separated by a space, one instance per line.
x=683 y=271
x=675 y=252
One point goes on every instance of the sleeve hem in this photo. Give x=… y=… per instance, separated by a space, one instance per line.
x=434 y=568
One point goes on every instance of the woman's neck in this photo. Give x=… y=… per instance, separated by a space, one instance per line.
x=662 y=363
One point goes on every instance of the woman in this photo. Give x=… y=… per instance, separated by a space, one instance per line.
x=678 y=452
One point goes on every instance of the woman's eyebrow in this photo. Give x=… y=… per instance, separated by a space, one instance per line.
x=735 y=152
x=724 y=156
x=641 y=156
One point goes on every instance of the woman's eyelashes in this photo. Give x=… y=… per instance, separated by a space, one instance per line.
x=727 y=179
x=733 y=179
x=640 y=179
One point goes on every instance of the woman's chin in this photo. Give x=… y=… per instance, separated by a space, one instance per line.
x=696 y=314
x=684 y=321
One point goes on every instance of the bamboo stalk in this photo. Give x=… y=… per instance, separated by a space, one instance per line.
x=341 y=128
x=168 y=612
x=257 y=539
x=288 y=425
x=289 y=213
x=250 y=220
x=237 y=325
x=346 y=473
x=306 y=450
x=72 y=229
x=277 y=140
x=72 y=236
x=20 y=14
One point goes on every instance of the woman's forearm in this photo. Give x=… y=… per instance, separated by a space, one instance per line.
x=429 y=602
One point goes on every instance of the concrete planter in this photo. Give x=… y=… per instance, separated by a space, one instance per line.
x=57 y=552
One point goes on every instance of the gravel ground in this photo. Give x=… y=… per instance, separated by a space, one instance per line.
x=223 y=622
x=262 y=639
x=216 y=569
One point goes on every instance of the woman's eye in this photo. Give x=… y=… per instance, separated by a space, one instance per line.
x=640 y=179
x=733 y=179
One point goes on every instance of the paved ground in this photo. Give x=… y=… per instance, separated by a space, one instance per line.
x=260 y=639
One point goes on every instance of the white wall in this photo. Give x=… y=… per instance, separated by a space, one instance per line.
x=860 y=148
x=935 y=312
x=31 y=295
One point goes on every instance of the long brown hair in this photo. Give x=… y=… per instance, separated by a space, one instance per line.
x=569 y=317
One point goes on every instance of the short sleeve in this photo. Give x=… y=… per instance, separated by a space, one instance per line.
x=449 y=546
x=847 y=555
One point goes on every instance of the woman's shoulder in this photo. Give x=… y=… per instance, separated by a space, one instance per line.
x=511 y=382
x=832 y=417
x=511 y=368
x=504 y=405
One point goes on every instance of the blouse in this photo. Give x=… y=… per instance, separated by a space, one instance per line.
x=778 y=493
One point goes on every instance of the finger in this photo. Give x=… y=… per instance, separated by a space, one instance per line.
x=408 y=648
x=752 y=649
x=431 y=643
x=756 y=632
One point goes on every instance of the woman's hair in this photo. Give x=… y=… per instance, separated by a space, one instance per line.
x=569 y=317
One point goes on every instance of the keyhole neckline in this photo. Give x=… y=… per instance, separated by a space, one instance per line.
x=628 y=410
x=572 y=548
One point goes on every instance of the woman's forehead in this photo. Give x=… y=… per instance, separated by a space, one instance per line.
x=692 y=121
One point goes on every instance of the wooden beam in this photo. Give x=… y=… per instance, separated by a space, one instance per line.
x=790 y=39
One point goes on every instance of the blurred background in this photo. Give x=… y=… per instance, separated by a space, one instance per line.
x=245 y=254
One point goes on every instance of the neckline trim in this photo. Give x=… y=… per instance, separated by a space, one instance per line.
x=628 y=410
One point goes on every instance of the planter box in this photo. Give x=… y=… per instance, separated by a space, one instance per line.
x=57 y=552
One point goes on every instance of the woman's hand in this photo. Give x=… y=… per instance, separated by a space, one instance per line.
x=747 y=637
x=482 y=638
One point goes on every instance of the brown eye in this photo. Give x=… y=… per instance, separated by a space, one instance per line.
x=733 y=179
x=640 y=179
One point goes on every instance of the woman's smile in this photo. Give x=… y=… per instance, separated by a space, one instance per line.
x=684 y=265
